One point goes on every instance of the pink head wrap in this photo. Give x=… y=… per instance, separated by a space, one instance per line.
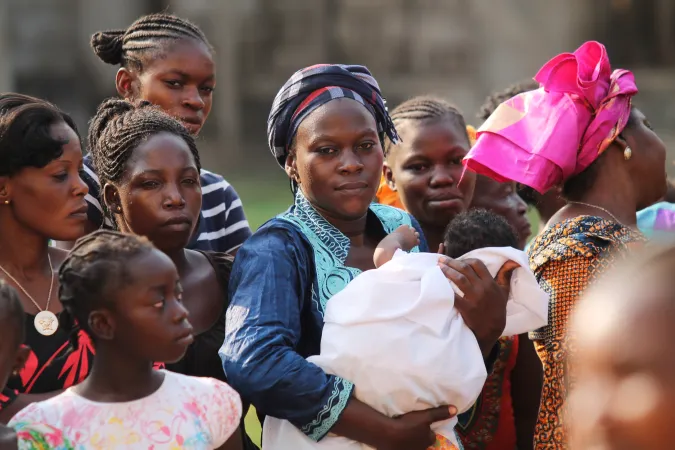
x=543 y=137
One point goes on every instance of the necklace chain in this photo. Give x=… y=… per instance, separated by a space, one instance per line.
x=598 y=207
x=30 y=297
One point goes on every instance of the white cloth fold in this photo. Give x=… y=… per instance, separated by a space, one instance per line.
x=394 y=332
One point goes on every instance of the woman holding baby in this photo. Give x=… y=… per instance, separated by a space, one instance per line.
x=327 y=128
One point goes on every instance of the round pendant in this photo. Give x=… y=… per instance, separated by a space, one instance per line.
x=46 y=323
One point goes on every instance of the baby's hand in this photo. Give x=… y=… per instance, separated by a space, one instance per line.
x=407 y=236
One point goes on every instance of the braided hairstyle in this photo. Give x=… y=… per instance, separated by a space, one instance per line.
x=12 y=312
x=425 y=108
x=120 y=126
x=25 y=139
x=94 y=268
x=145 y=37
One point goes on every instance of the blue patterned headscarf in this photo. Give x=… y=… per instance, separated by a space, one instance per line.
x=314 y=86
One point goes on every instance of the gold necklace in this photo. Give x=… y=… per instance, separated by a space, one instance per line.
x=46 y=323
x=598 y=207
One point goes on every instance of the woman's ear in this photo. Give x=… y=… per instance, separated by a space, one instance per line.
x=5 y=190
x=291 y=168
x=127 y=84
x=111 y=198
x=389 y=176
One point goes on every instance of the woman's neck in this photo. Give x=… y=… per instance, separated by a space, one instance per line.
x=354 y=229
x=23 y=253
x=117 y=377
x=179 y=258
x=621 y=207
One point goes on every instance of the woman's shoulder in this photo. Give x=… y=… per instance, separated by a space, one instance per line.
x=582 y=236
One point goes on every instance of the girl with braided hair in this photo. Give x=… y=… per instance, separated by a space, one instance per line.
x=168 y=61
x=422 y=175
x=128 y=297
x=149 y=166
x=41 y=198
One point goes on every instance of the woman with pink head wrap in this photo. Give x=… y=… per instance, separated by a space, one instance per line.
x=580 y=131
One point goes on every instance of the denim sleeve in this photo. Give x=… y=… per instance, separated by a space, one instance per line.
x=270 y=298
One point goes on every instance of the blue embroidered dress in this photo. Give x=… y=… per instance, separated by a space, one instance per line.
x=282 y=279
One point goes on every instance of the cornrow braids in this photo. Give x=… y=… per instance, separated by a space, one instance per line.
x=497 y=98
x=424 y=108
x=133 y=46
x=96 y=265
x=120 y=126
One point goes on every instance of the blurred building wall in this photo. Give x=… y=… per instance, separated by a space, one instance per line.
x=459 y=49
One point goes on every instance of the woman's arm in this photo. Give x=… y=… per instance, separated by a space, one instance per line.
x=233 y=443
x=526 y=383
x=269 y=290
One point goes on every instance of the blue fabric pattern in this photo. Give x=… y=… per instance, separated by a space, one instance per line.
x=281 y=281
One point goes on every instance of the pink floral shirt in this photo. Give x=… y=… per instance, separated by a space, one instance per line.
x=184 y=413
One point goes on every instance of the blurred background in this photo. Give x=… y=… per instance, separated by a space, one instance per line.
x=460 y=49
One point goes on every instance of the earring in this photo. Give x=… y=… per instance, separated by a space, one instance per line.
x=6 y=202
x=627 y=153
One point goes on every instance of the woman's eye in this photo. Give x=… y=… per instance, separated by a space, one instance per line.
x=60 y=176
x=159 y=304
x=648 y=125
x=150 y=184
x=367 y=146
x=417 y=167
x=190 y=181
x=208 y=89
x=326 y=150
x=173 y=83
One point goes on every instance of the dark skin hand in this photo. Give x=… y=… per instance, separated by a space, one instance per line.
x=410 y=431
x=526 y=383
x=481 y=293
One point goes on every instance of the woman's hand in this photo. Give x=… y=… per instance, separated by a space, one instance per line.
x=412 y=431
x=483 y=306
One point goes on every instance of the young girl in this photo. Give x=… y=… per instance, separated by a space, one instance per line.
x=127 y=296
x=169 y=62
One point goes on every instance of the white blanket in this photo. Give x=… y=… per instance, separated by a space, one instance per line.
x=394 y=332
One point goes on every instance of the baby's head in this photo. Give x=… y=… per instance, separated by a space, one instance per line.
x=477 y=228
x=12 y=333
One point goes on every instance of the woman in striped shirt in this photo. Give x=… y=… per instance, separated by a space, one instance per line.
x=168 y=61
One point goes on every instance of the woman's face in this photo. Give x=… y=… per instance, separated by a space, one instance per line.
x=160 y=195
x=50 y=200
x=425 y=169
x=648 y=161
x=624 y=368
x=181 y=82
x=502 y=199
x=337 y=159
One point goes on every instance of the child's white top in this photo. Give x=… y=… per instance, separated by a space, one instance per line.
x=185 y=412
x=394 y=333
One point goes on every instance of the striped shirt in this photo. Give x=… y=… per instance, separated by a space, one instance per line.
x=222 y=224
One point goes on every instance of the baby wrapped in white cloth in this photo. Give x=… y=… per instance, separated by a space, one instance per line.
x=395 y=333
